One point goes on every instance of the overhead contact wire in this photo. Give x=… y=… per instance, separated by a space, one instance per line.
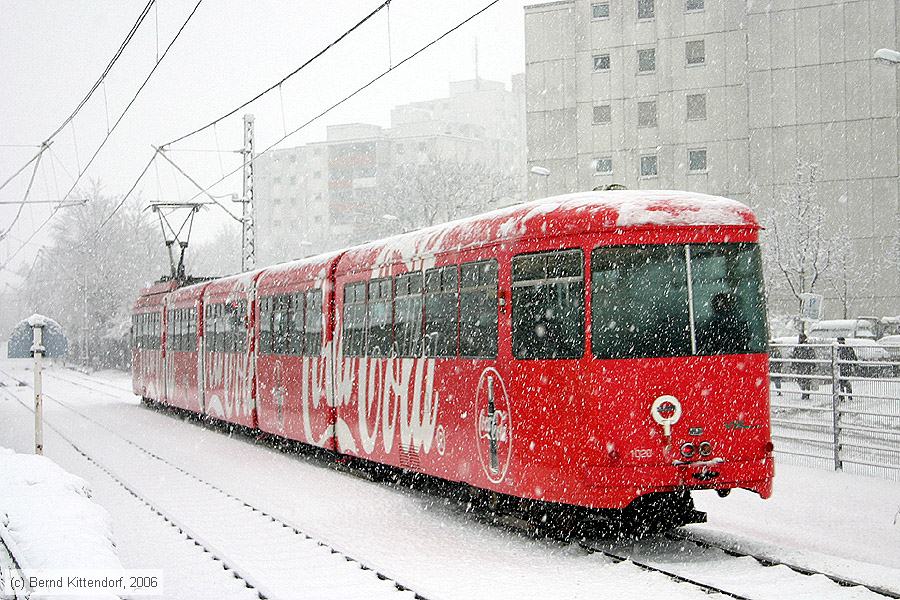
x=351 y=95
x=286 y=77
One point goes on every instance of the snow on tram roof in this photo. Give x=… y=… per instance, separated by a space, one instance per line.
x=582 y=211
x=633 y=208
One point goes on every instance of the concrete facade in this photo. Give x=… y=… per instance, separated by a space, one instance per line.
x=321 y=196
x=726 y=98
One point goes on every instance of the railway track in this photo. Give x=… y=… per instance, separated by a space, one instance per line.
x=718 y=569
x=681 y=556
x=269 y=554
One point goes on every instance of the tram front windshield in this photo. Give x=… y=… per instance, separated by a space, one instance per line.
x=677 y=300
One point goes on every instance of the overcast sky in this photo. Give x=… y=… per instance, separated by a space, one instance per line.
x=51 y=52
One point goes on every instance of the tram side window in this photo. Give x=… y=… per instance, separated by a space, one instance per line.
x=298 y=314
x=190 y=330
x=157 y=330
x=408 y=314
x=225 y=322
x=639 y=302
x=441 y=315
x=171 y=328
x=478 y=309
x=265 y=325
x=207 y=329
x=548 y=305
x=219 y=331
x=378 y=313
x=237 y=326
x=354 y=326
x=281 y=325
x=182 y=330
x=313 y=329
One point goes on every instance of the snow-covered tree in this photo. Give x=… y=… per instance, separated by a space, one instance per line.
x=439 y=189
x=800 y=252
x=851 y=278
x=88 y=277
x=218 y=256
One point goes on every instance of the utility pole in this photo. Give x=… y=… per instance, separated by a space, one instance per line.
x=248 y=236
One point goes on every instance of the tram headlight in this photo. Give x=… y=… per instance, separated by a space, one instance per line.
x=706 y=448
x=688 y=450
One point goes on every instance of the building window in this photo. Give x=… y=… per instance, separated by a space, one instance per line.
x=695 y=52
x=645 y=9
x=601 y=62
x=649 y=165
x=693 y=5
x=292 y=158
x=293 y=180
x=318 y=174
x=603 y=166
x=421 y=146
x=602 y=114
x=647 y=114
x=401 y=148
x=317 y=151
x=646 y=60
x=697 y=160
x=696 y=107
x=600 y=10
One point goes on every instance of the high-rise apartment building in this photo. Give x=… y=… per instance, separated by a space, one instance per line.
x=725 y=97
x=324 y=195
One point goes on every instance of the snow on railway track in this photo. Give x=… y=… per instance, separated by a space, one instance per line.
x=726 y=571
x=270 y=555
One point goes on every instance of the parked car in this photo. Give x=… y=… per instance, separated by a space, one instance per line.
x=891 y=345
x=845 y=328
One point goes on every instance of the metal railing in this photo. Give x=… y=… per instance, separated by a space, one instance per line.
x=836 y=407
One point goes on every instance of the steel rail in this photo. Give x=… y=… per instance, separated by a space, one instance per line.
x=269 y=516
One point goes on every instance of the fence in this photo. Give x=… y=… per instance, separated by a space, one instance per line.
x=837 y=407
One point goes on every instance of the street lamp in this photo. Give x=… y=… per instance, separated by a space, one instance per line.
x=887 y=56
x=542 y=172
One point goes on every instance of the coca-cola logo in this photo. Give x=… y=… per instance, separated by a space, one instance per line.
x=666 y=410
x=493 y=425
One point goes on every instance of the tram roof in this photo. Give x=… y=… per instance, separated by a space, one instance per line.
x=564 y=215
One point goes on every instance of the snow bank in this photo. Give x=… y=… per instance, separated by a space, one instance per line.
x=49 y=518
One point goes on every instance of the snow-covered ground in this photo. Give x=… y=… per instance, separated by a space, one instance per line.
x=847 y=525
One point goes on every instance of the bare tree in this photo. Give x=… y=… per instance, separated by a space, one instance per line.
x=87 y=278
x=415 y=195
x=800 y=253
x=218 y=256
x=851 y=279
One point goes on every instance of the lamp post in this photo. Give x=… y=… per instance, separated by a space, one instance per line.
x=395 y=221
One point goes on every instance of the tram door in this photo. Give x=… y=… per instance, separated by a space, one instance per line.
x=480 y=310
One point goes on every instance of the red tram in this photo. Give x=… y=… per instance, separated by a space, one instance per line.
x=588 y=349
